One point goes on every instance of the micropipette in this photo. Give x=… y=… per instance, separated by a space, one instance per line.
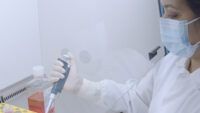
x=58 y=86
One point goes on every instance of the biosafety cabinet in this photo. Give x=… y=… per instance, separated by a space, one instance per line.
x=107 y=37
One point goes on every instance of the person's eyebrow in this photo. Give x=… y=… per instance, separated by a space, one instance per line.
x=170 y=6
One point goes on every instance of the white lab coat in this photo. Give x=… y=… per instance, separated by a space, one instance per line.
x=167 y=88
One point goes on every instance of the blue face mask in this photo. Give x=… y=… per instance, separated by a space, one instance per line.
x=175 y=37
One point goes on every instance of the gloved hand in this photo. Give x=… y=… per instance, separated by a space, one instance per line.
x=75 y=83
x=74 y=80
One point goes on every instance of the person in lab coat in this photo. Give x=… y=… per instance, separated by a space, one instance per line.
x=171 y=86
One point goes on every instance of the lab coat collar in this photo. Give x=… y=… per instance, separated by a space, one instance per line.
x=184 y=63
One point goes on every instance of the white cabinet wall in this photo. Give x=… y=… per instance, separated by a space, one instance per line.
x=20 y=47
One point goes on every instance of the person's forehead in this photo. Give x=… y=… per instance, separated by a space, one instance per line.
x=174 y=3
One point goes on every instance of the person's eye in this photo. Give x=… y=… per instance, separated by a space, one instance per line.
x=172 y=16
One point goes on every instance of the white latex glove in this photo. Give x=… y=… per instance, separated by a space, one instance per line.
x=74 y=81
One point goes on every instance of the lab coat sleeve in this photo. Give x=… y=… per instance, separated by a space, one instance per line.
x=132 y=97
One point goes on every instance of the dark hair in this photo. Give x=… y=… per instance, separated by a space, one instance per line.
x=195 y=6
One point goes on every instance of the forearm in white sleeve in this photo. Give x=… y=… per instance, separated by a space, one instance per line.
x=132 y=97
x=91 y=91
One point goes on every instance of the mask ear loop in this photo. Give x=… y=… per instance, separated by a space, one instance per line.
x=198 y=43
x=194 y=20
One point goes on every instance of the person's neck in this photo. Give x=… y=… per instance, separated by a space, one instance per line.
x=195 y=61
